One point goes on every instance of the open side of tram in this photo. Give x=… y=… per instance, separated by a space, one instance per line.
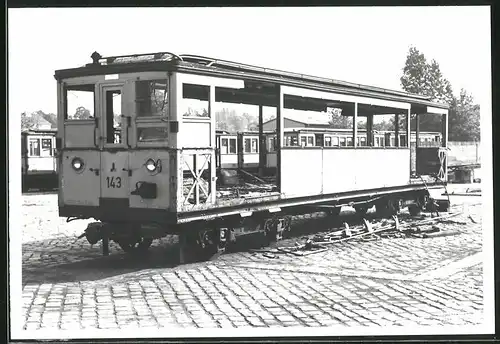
x=144 y=161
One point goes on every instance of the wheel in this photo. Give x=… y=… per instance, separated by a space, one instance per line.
x=361 y=209
x=138 y=245
x=387 y=207
x=334 y=211
x=414 y=210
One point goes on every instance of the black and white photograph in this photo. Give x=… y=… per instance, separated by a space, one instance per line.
x=250 y=172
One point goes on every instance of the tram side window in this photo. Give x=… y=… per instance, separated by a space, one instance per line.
x=79 y=102
x=328 y=141
x=47 y=147
x=402 y=140
x=228 y=145
x=224 y=146
x=343 y=142
x=335 y=141
x=272 y=144
x=34 y=147
x=232 y=146
x=195 y=100
x=251 y=145
x=151 y=97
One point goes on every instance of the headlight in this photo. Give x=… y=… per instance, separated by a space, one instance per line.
x=150 y=165
x=77 y=164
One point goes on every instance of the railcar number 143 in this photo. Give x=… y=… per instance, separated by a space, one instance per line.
x=114 y=182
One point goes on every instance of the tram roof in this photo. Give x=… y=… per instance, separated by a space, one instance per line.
x=222 y=68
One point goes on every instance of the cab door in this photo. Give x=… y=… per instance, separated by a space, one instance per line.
x=115 y=123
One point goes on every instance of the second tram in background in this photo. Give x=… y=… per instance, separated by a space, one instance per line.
x=38 y=159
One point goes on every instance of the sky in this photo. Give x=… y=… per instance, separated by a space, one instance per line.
x=366 y=45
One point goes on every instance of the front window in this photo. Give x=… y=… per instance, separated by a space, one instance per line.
x=153 y=134
x=34 y=147
x=151 y=97
x=79 y=102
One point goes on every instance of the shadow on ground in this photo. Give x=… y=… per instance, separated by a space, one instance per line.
x=67 y=265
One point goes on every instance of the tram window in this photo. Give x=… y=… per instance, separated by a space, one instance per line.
x=224 y=146
x=349 y=141
x=393 y=142
x=255 y=145
x=154 y=134
x=113 y=116
x=251 y=145
x=362 y=141
x=47 y=146
x=438 y=139
x=402 y=140
x=328 y=141
x=342 y=141
x=295 y=141
x=79 y=102
x=303 y=141
x=272 y=144
x=151 y=97
x=335 y=141
x=195 y=100
x=232 y=146
x=34 y=147
x=319 y=140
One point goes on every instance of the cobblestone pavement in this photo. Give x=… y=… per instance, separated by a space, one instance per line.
x=405 y=281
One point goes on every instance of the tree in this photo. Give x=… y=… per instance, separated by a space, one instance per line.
x=420 y=77
x=82 y=113
x=337 y=120
x=464 y=123
x=27 y=122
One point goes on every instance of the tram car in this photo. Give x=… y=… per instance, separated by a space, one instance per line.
x=137 y=187
x=38 y=159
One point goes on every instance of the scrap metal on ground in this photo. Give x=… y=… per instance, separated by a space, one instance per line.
x=421 y=226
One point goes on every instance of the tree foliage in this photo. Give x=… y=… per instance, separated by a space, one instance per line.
x=231 y=121
x=464 y=124
x=423 y=78
x=30 y=121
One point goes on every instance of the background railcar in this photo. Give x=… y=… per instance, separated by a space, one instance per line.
x=38 y=156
